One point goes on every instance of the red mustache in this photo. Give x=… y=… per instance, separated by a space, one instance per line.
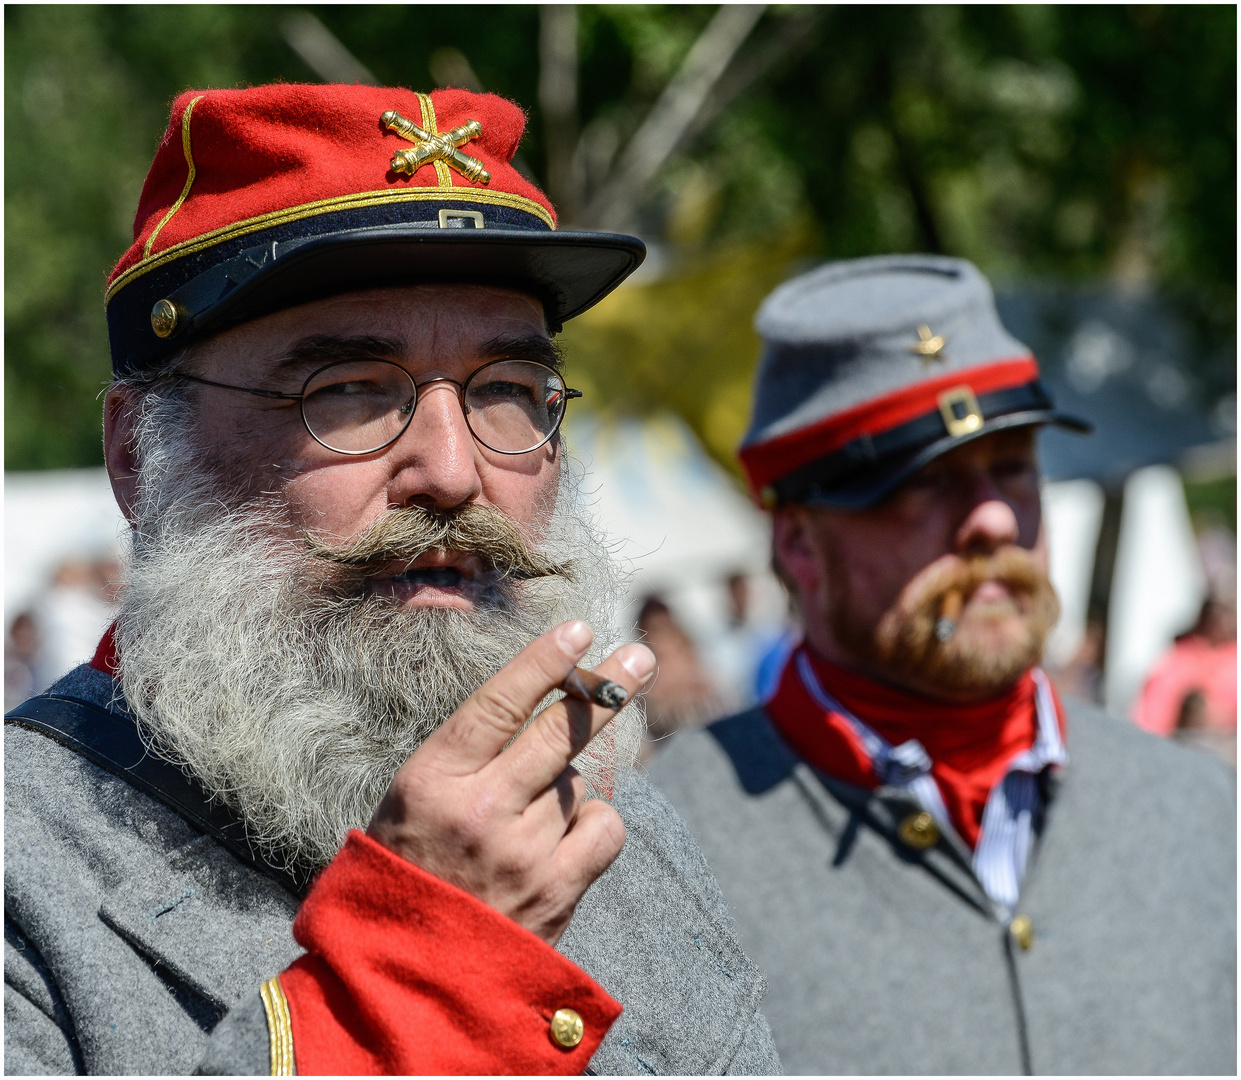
x=946 y=586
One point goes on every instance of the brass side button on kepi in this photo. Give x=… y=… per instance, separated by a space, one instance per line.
x=918 y=831
x=164 y=317
x=567 y=1028
x=1022 y=929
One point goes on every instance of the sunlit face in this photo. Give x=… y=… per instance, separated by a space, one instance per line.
x=316 y=676
x=871 y=583
x=433 y=332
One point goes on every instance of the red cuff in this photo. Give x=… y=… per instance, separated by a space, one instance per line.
x=405 y=973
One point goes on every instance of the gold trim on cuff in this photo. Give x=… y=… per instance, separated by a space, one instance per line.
x=279 y=1028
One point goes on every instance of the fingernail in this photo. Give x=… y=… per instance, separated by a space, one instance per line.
x=575 y=637
x=638 y=660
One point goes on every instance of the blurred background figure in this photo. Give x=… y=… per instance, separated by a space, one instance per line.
x=739 y=653
x=1082 y=675
x=21 y=658
x=64 y=538
x=1191 y=693
x=73 y=613
x=683 y=694
x=62 y=626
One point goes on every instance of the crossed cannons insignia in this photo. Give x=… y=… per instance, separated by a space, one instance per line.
x=435 y=147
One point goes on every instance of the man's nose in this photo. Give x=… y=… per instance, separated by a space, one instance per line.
x=990 y=523
x=435 y=461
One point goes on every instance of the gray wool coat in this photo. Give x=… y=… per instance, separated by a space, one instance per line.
x=883 y=959
x=135 y=944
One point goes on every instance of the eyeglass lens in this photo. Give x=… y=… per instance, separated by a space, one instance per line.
x=358 y=406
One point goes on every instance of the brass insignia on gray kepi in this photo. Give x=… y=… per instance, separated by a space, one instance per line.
x=929 y=345
x=435 y=147
x=163 y=318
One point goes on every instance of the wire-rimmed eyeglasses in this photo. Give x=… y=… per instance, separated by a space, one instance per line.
x=360 y=406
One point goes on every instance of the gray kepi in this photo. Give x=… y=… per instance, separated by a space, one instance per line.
x=873 y=367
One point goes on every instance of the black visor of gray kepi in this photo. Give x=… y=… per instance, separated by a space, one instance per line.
x=872 y=368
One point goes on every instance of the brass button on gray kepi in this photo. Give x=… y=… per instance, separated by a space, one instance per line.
x=567 y=1028
x=918 y=831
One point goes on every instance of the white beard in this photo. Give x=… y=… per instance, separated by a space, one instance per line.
x=295 y=701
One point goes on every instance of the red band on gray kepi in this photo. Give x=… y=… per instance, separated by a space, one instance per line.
x=873 y=367
x=268 y=197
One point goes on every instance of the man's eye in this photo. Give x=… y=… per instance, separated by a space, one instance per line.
x=351 y=388
x=503 y=391
x=1013 y=469
x=927 y=481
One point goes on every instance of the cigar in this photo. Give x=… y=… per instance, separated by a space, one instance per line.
x=587 y=686
x=949 y=612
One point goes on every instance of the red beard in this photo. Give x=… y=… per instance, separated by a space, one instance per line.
x=993 y=642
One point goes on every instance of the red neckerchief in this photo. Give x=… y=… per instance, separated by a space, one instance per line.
x=970 y=746
x=105 y=655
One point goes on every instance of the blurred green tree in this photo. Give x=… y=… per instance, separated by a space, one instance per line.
x=1067 y=142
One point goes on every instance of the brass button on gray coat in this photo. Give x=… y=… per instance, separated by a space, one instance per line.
x=1022 y=929
x=918 y=831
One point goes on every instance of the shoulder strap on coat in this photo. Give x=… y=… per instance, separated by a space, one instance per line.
x=111 y=741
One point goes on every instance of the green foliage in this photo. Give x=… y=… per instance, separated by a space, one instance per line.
x=1213 y=501
x=1067 y=142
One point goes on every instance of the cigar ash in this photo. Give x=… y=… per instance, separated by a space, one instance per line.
x=949 y=612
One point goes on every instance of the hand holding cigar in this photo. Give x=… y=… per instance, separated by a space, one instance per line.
x=587 y=686
x=491 y=801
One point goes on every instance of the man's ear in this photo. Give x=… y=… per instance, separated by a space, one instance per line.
x=794 y=549
x=120 y=453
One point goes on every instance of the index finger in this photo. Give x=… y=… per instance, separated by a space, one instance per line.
x=544 y=750
x=496 y=711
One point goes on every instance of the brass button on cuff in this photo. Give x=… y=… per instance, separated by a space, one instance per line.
x=164 y=318
x=1022 y=929
x=567 y=1028
x=918 y=831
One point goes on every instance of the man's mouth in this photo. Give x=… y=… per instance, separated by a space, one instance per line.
x=992 y=590
x=437 y=579
x=443 y=577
